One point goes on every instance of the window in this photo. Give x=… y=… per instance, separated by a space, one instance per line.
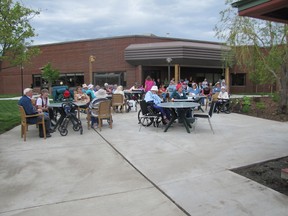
x=71 y=80
x=110 y=78
x=238 y=79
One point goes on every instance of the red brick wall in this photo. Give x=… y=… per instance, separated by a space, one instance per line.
x=73 y=57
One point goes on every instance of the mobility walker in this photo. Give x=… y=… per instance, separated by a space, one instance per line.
x=70 y=115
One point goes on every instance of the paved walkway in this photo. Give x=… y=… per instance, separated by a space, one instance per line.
x=124 y=172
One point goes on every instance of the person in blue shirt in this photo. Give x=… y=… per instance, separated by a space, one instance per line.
x=194 y=90
x=152 y=98
x=217 y=88
x=26 y=103
x=90 y=92
x=171 y=88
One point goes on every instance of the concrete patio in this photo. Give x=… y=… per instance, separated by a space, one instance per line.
x=126 y=172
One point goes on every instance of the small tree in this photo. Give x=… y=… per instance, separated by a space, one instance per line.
x=50 y=74
x=15 y=31
x=259 y=47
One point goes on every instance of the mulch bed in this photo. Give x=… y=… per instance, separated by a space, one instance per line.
x=266 y=173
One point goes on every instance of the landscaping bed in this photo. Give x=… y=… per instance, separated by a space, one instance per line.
x=266 y=173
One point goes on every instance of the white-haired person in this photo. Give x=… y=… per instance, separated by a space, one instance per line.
x=26 y=103
x=100 y=95
x=152 y=98
x=223 y=97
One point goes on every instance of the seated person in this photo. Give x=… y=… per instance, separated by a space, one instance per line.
x=119 y=90
x=194 y=90
x=134 y=87
x=26 y=103
x=100 y=95
x=178 y=93
x=79 y=96
x=171 y=88
x=152 y=98
x=107 y=88
x=163 y=92
x=43 y=104
x=216 y=88
x=90 y=92
x=223 y=97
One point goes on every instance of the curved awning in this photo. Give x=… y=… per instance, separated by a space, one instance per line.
x=193 y=54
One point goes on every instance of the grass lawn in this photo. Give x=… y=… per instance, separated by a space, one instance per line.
x=9 y=115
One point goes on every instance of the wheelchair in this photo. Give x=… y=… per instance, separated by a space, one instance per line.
x=223 y=105
x=148 y=115
x=70 y=116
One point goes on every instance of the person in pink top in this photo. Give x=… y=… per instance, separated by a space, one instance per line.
x=148 y=83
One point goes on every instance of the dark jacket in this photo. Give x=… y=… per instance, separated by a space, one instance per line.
x=26 y=103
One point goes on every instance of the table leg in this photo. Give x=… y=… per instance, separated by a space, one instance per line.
x=174 y=117
x=182 y=117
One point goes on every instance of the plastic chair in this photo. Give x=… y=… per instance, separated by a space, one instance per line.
x=24 y=123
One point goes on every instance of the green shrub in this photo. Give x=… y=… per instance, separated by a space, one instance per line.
x=260 y=105
x=246 y=104
x=275 y=97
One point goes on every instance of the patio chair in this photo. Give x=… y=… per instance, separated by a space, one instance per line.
x=24 y=123
x=118 y=100
x=104 y=112
x=207 y=115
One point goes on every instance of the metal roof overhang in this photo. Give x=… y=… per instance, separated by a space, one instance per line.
x=272 y=10
x=191 y=54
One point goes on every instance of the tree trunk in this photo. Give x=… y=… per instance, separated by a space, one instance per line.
x=283 y=92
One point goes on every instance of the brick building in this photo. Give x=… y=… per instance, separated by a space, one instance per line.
x=125 y=60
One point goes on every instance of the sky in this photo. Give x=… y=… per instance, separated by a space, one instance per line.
x=72 y=20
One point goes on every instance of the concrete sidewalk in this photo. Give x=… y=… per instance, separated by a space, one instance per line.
x=126 y=172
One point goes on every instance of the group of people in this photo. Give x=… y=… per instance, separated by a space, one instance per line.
x=181 y=90
x=85 y=94
x=155 y=93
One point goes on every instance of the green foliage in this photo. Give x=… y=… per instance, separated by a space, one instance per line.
x=50 y=74
x=9 y=115
x=15 y=31
x=259 y=47
x=246 y=104
x=260 y=105
x=275 y=97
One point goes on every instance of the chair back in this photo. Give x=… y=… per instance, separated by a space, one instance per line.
x=117 y=99
x=104 y=110
x=215 y=96
x=212 y=107
x=144 y=107
x=22 y=115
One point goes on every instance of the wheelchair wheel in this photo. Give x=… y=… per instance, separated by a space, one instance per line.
x=63 y=132
x=157 y=122
x=144 y=120
x=77 y=127
x=227 y=109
